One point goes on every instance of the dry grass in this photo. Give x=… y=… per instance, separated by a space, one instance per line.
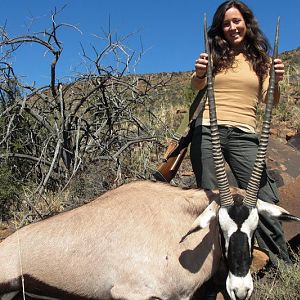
x=280 y=284
x=33 y=207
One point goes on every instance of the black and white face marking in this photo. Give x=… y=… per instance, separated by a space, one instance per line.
x=238 y=223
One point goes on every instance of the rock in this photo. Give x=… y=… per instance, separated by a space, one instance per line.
x=295 y=141
x=260 y=259
x=274 y=131
x=283 y=162
x=294 y=244
x=290 y=200
x=290 y=134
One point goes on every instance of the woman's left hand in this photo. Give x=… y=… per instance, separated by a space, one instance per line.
x=279 y=69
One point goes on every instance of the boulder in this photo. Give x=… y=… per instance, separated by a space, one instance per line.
x=290 y=200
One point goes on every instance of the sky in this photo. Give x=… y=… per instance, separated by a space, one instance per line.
x=168 y=33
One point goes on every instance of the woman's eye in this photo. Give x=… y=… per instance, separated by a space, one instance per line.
x=234 y=21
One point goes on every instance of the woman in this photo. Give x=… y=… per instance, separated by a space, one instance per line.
x=240 y=67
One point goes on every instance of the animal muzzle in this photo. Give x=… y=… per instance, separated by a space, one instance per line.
x=239 y=288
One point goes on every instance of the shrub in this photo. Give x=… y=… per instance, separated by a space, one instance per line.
x=10 y=188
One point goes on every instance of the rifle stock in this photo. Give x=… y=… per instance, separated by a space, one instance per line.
x=176 y=151
x=172 y=161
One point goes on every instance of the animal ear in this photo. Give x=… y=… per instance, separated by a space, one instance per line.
x=275 y=211
x=209 y=214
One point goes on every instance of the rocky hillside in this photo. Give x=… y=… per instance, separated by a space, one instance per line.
x=179 y=81
x=286 y=120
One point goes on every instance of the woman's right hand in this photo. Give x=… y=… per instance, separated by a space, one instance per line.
x=201 y=65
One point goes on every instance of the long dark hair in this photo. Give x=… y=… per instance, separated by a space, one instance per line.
x=256 y=46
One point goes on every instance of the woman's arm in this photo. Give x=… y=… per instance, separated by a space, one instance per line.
x=279 y=72
x=197 y=83
x=198 y=80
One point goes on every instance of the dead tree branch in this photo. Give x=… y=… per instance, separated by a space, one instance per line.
x=52 y=132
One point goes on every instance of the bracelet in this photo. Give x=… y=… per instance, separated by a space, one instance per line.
x=201 y=77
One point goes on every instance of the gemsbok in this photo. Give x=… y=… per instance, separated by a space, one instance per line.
x=135 y=242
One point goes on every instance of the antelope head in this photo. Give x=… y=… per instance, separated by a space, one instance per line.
x=237 y=214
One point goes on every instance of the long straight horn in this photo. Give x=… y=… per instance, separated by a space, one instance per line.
x=225 y=194
x=254 y=181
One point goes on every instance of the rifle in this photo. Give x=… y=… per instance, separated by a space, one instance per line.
x=176 y=150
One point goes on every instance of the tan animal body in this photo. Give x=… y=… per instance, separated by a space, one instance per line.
x=123 y=245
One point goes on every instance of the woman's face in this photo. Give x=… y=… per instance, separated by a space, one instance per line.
x=234 y=27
